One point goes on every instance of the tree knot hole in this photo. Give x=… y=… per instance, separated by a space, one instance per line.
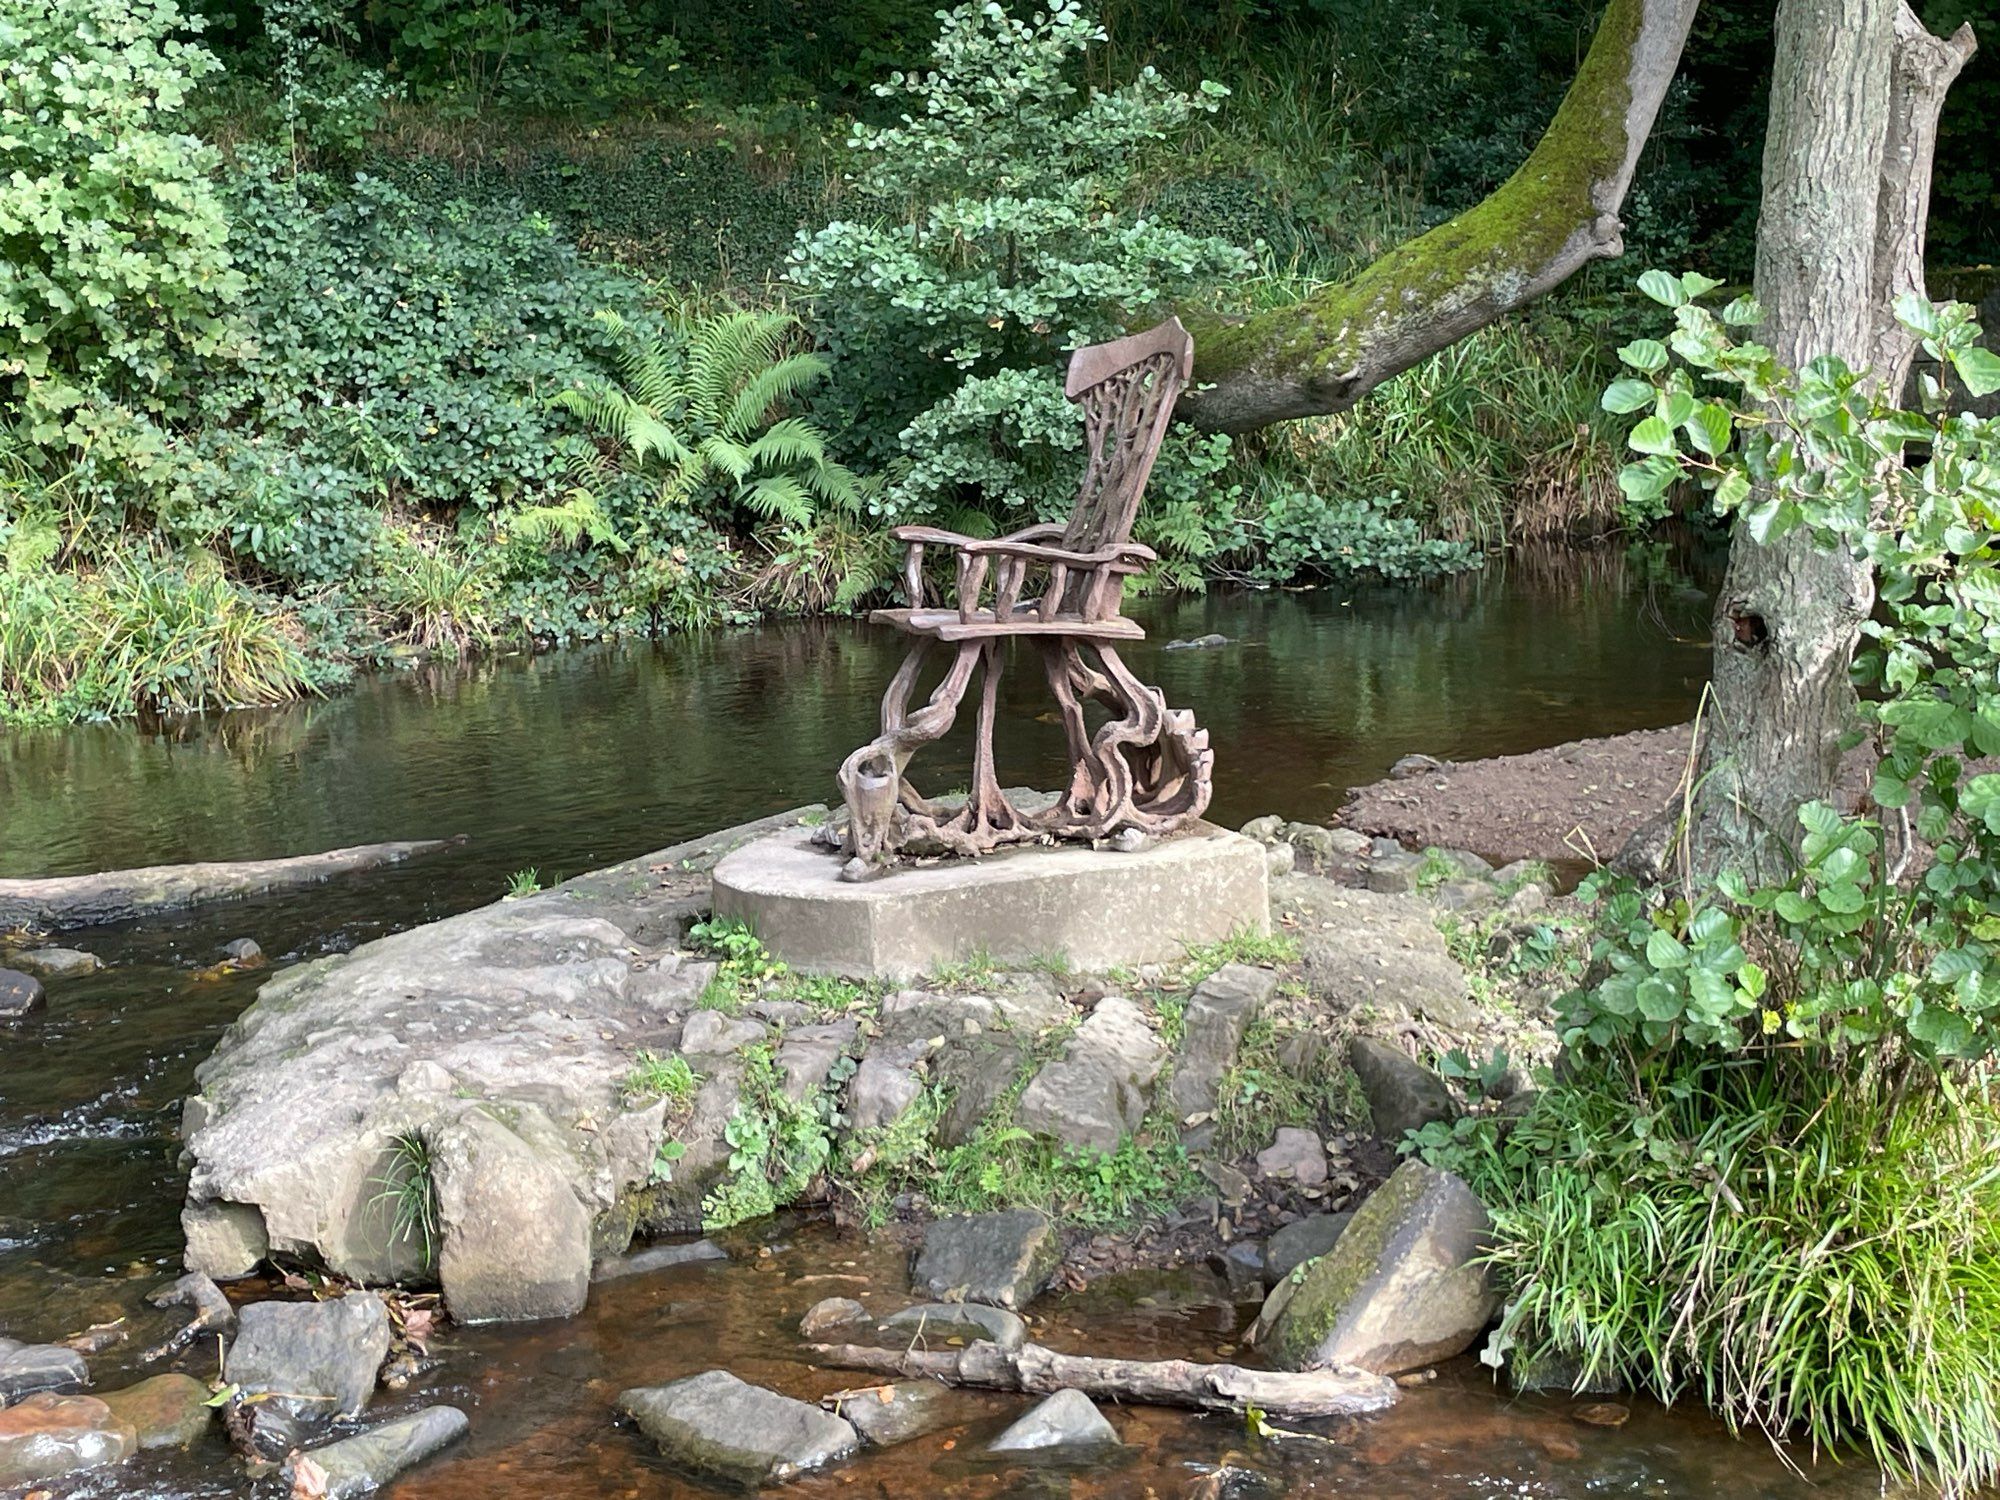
x=1750 y=629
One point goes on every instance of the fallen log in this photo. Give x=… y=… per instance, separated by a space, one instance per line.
x=1153 y=1382
x=63 y=901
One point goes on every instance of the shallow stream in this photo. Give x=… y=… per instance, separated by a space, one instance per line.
x=577 y=759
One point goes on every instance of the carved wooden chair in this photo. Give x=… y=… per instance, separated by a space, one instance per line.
x=1147 y=767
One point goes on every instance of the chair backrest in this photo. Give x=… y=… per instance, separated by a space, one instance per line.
x=1127 y=390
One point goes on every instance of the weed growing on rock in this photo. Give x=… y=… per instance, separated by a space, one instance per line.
x=1286 y=1073
x=975 y=969
x=409 y=1187
x=523 y=883
x=777 y=1145
x=1240 y=947
x=656 y=1077
x=748 y=972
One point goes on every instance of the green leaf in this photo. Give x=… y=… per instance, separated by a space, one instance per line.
x=1743 y=312
x=1733 y=490
x=1663 y=287
x=1979 y=369
x=1675 y=407
x=1665 y=951
x=1644 y=354
x=1627 y=395
x=1710 y=428
x=1652 y=436
x=1843 y=898
x=1794 y=908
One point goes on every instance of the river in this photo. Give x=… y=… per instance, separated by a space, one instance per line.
x=574 y=759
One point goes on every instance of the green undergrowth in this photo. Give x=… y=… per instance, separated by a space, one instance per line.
x=778 y=1146
x=747 y=972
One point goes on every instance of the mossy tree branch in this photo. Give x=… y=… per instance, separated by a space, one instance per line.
x=1553 y=216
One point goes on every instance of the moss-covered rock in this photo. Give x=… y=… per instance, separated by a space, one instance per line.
x=1400 y=1289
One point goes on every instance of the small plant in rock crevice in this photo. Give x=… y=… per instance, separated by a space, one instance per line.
x=656 y=1077
x=409 y=1188
x=778 y=1145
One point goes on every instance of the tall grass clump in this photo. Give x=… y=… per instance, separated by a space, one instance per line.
x=142 y=633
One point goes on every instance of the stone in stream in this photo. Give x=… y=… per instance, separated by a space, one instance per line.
x=1300 y=1241
x=515 y=1240
x=713 y=1423
x=1095 y=1094
x=887 y=1414
x=934 y=1324
x=1068 y=1419
x=657 y=1258
x=19 y=994
x=47 y=1436
x=1002 y=1259
x=316 y=1359
x=1400 y=1289
x=831 y=1314
x=1218 y=1013
x=167 y=1411
x=56 y=963
x=244 y=952
x=362 y=1464
x=26 y=1369
x=1402 y=1094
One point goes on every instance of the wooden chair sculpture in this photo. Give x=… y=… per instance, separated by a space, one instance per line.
x=1148 y=767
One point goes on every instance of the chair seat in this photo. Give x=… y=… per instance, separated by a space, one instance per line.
x=947 y=625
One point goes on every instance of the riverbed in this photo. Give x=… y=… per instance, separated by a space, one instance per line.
x=571 y=760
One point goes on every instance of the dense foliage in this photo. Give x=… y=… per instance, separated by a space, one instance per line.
x=1766 y=1172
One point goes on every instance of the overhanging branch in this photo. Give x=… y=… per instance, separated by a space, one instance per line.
x=1552 y=217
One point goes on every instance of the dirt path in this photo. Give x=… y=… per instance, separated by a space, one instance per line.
x=1565 y=803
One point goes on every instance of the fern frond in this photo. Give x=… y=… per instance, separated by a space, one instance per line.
x=787 y=443
x=770 y=386
x=778 y=497
x=731 y=458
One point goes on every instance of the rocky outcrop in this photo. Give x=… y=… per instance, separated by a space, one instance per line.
x=1096 y=1093
x=362 y=1464
x=1001 y=1259
x=1400 y=1289
x=1403 y=1095
x=715 y=1424
x=1068 y=1419
x=48 y=1436
x=1218 y=1013
x=514 y=1238
x=1371 y=954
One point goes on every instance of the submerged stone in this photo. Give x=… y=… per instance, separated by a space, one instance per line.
x=1068 y=1419
x=362 y=1464
x=713 y=1423
x=167 y=1411
x=1002 y=1259
x=887 y=1414
x=26 y=1369
x=47 y=1436
x=937 y=1323
x=19 y=994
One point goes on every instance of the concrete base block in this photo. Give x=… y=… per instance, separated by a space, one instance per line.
x=1098 y=908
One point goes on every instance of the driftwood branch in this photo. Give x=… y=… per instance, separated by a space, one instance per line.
x=1551 y=218
x=1152 y=1382
x=81 y=900
x=1922 y=72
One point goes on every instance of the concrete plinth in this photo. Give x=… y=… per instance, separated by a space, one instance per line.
x=1098 y=908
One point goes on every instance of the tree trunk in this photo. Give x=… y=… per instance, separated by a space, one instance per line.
x=1854 y=98
x=1552 y=217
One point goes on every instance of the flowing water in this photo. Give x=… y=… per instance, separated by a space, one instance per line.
x=576 y=759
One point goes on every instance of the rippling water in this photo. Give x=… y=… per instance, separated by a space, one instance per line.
x=572 y=760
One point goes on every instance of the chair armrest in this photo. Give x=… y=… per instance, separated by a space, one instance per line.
x=1135 y=553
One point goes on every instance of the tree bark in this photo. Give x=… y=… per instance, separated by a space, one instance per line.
x=1854 y=98
x=1157 y=1382
x=1547 y=221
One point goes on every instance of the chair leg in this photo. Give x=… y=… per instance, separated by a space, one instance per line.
x=1149 y=767
x=871 y=779
x=987 y=811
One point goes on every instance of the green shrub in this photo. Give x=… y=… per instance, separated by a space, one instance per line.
x=1812 y=1257
x=992 y=230
x=114 y=263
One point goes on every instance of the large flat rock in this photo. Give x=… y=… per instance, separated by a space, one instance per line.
x=1098 y=908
